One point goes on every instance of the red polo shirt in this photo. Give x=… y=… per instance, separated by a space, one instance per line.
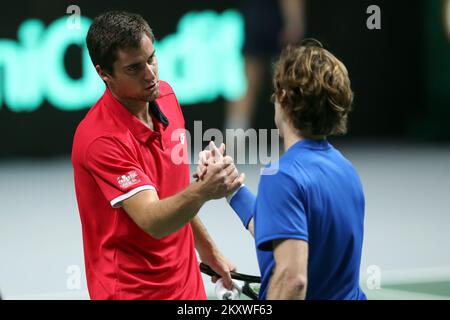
x=115 y=156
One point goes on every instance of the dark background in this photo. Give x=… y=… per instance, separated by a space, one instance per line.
x=394 y=71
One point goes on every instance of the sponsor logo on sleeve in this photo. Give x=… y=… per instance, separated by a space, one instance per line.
x=128 y=179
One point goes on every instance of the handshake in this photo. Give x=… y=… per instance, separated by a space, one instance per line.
x=217 y=173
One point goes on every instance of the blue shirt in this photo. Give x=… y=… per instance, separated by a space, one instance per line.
x=315 y=196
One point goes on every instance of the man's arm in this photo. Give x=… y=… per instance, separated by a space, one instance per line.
x=160 y=218
x=289 y=278
x=163 y=217
x=209 y=253
x=241 y=201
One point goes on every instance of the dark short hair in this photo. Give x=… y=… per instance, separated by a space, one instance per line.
x=318 y=93
x=115 y=30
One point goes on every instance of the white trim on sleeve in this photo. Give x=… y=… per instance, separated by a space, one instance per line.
x=115 y=203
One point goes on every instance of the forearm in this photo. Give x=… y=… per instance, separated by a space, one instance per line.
x=203 y=241
x=171 y=214
x=209 y=253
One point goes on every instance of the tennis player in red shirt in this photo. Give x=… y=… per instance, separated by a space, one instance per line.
x=137 y=205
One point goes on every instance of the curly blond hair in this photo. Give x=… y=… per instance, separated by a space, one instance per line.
x=318 y=96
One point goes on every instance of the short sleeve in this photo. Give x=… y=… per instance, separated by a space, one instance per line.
x=279 y=210
x=116 y=170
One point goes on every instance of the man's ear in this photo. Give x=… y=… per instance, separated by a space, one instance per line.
x=102 y=74
x=282 y=96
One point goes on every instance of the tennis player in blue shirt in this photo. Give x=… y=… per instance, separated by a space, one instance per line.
x=308 y=216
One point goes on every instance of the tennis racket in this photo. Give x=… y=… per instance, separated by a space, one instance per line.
x=251 y=283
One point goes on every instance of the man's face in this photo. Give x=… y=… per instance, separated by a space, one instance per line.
x=135 y=75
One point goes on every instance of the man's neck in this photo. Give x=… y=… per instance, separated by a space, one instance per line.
x=292 y=136
x=138 y=108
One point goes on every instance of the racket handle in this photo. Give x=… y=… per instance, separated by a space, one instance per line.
x=235 y=275
x=207 y=270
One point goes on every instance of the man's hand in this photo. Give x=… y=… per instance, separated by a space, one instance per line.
x=204 y=158
x=217 y=172
x=222 y=266
x=207 y=157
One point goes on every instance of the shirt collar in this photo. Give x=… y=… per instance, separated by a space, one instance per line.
x=312 y=144
x=139 y=130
